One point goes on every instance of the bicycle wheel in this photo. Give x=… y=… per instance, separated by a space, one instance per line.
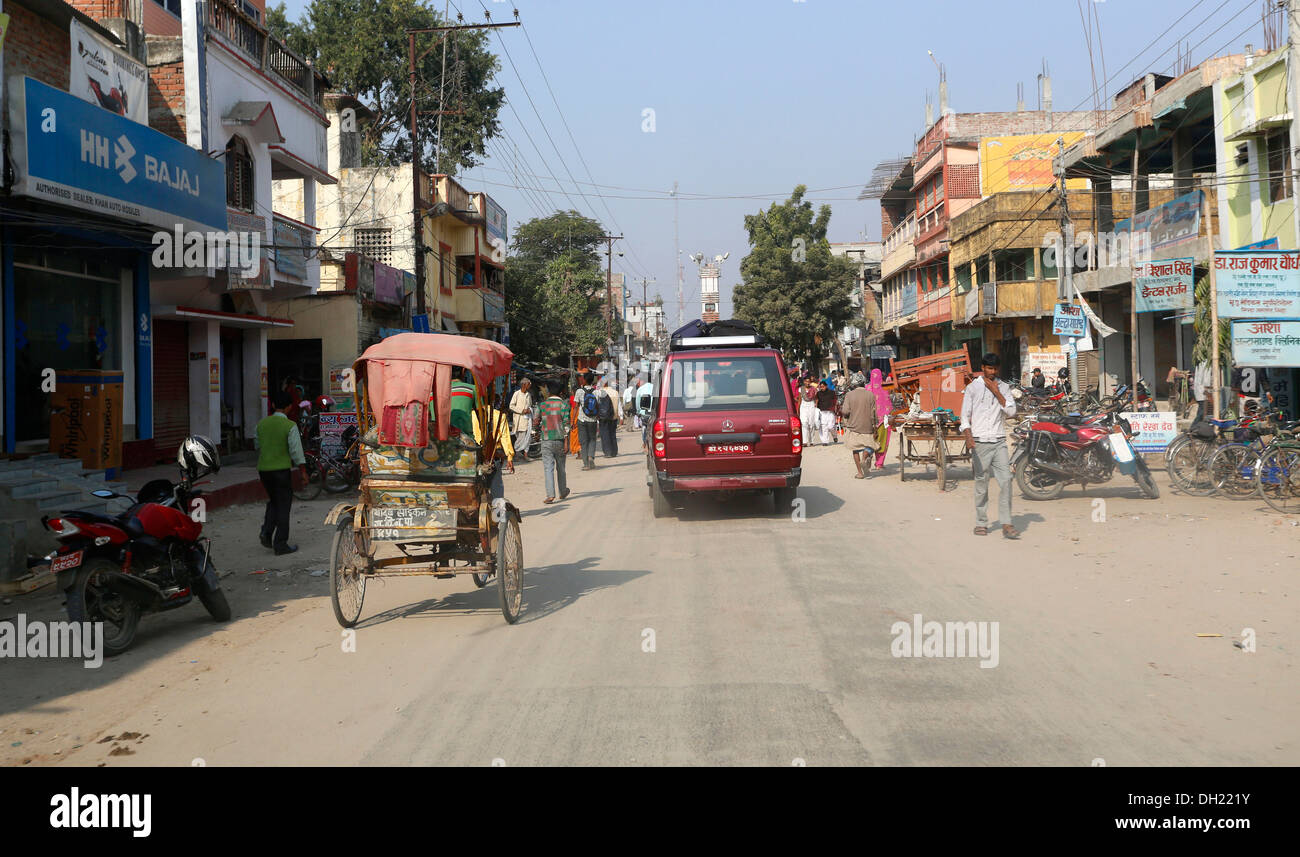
x=1232 y=470
x=1189 y=466
x=311 y=484
x=1279 y=479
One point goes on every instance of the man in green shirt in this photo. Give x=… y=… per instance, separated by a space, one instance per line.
x=279 y=450
x=464 y=398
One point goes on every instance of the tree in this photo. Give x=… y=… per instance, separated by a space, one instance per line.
x=555 y=288
x=795 y=293
x=361 y=45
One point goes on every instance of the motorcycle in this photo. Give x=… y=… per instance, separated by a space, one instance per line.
x=150 y=558
x=1053 y=455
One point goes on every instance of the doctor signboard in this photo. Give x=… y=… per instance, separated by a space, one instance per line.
x=68 y=151
x=1258 y=284
x=1165 y=284
x=1068 y=320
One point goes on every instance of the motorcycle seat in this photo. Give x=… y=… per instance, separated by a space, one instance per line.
x=1069 y=437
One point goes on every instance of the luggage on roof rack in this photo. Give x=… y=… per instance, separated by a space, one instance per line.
x=724 y=333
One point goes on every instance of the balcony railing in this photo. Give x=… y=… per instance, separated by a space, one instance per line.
x=270 y=54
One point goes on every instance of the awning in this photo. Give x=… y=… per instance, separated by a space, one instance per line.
x=229 y=319
x=286 y=164
x=257 y=118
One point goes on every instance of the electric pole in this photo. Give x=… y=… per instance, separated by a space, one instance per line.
x=609 y=287
x=443 y=32
x=1065 y=264
x=677 y=253
x=645 y=317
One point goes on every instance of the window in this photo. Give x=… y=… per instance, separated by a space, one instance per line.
x=938 y=188
x=173 y=6
x=710 y=307
x=963 y=279
x=982 y=270
x=1015 y=265
x=250 y=10
x=376 y=244
x=1048 y=264
x=725 y=384
x=239 y=175
x=1279 y=166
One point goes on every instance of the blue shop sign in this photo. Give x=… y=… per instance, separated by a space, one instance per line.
x=75 y=153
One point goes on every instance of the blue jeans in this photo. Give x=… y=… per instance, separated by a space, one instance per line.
x=553 y=452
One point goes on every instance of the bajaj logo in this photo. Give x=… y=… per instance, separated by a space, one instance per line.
x=94 y=150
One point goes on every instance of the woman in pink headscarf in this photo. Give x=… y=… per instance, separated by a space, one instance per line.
x=883 y=406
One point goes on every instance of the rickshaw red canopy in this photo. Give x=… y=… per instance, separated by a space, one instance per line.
x=411 y=368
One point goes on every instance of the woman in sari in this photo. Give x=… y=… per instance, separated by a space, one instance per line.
x=884 y=405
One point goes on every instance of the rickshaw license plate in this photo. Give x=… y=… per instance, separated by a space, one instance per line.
x=411 y=523
x=728 y=449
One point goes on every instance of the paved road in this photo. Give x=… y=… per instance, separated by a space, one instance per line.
x=727 y=635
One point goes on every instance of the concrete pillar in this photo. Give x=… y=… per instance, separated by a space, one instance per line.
x=1183 y=144
x=205 y=405
x=255 y=403
x=309 y=218
x=1105 y=208
x=1147 y=349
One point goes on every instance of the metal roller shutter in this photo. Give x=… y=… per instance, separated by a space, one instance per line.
x=171 y=386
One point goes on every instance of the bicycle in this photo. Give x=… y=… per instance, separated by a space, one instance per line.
x=1187 y=458
x=1234 y=467
x=1278 y=474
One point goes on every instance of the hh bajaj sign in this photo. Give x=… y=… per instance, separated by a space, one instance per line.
x=74 y=153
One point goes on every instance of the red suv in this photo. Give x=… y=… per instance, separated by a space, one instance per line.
x=723 y=420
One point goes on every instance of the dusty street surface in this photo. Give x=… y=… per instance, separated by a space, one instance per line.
x=771 y=640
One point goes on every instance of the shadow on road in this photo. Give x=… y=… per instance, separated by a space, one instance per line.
x=547 y=589
x=814 y=501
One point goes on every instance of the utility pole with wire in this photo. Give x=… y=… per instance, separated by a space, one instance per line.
x=677 y=253
x=418 y=215
x=609 y=287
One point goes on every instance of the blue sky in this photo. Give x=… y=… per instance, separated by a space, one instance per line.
x=752 y=98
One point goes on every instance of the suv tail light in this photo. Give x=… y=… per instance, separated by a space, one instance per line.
x=658 y=439
x=796 y=436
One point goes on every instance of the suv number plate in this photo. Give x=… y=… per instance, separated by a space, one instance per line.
x=728 y=449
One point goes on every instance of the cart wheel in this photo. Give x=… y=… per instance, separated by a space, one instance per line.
x=902 y=459
x=941 y=460
x=347 y=582
x=481 y=580
x=510 y=568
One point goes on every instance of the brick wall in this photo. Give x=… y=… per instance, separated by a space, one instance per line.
x=167 y=99
x=99 y=9
x=35 y=47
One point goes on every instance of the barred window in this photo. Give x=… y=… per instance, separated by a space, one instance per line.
x=239 y=175
x=375 y=243
x=1279 y=166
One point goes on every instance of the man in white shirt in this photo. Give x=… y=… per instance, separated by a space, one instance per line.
x=521 y=414
x=1202 y=387
x=985 y=406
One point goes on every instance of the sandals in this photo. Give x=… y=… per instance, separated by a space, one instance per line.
x=1010 y=532
x=981 y=531
x=549 y=500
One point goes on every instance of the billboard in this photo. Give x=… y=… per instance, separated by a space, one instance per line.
x=1173 y=222
x=495 y=216
x=1023 y=162
x=1266 y=343
x=72 y=153
x=104 y=75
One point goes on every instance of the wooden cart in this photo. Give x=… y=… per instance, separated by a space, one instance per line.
x=933 y=382
x=923 y=439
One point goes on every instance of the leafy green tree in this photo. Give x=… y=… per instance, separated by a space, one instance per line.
x=555 y=289
x=795 y=292
x=361 y=45
x=1203 y=349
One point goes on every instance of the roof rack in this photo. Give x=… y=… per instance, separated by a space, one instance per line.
x=683 y=343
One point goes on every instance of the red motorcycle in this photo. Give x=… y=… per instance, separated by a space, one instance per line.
x=1054 y=455
x=150 y=558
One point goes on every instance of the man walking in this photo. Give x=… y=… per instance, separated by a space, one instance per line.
x=808 y=415
x=607 y=408
x=521 y=413
x=825 y=401
x=586 y=400
x=555 y=430
x=985 y=406
x=860 y=421
x=279 y=450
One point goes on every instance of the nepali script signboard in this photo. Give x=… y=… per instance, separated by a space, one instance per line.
x=1155 y=430
x=1266 y=343
x=1068 y=320
x=1258 y=284
x=1165 y=284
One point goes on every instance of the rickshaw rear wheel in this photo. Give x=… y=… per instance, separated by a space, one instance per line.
x=481 y=580
x=510 y=567
x=347 y=582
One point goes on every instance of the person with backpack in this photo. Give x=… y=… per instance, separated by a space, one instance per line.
x=607 y=417
x=588 y=409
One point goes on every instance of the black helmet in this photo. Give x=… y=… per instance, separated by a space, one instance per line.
x=1063 y=373
x=197 y=457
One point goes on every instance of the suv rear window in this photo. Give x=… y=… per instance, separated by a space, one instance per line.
x=702 y=384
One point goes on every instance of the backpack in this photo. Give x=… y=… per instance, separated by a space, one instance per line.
x=604 y=407
x=590 y=407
